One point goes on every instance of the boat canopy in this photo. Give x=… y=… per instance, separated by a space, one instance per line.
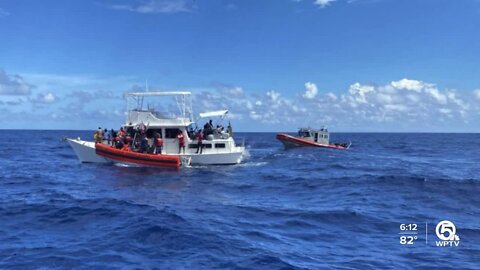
x=159 y=108
x=214 y=114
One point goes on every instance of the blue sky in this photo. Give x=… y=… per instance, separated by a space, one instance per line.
x=352 y=65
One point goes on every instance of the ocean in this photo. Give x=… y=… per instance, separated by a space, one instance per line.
x=305 y=208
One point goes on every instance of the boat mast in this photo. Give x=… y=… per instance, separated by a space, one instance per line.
x=185 y=109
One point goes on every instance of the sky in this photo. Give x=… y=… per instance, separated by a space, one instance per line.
x=349 y=65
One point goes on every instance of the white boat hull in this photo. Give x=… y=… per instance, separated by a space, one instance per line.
x=215 y=158
x=85 y=151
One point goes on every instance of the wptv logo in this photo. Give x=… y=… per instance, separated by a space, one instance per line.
x=447 y=233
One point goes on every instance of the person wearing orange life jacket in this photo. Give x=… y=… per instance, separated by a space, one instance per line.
x=127 y=139
x=121 y=132
x=158 y=144
x=181 y=142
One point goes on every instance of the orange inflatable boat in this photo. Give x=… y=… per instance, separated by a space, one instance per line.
x=135 y=158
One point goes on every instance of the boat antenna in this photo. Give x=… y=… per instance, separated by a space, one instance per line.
x=146 y=85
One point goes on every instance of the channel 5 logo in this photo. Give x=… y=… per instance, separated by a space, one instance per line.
x=447 y=233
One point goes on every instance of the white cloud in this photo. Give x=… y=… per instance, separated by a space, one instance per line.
x=445 y=110
x=331 y=96
x=359 y=92
x=13 y=85
x=78 y=81
x=385 y=98
x=452 y=96
x=155 y=6
x=435 y=93
x=310 y=90
x=49 y=98
x=255 y=116
x=396 y=107
x=476 y=93
x=229 y=90
x=323 y=3
x=413 y=98
x=45 y=98
x=275 y=96
x=412 y=85
x=402 y=106
x=249 y=105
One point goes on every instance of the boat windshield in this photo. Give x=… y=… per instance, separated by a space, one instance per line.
x=304 y=133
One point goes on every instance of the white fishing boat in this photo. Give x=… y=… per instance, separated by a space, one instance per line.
x=218 y=148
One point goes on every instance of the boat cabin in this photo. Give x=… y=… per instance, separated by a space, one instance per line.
x=318 y=136
x=169 y=124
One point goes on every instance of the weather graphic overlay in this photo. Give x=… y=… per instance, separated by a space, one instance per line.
x=447 y=233
x=408 y=233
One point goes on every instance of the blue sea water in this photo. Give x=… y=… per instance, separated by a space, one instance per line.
x=305 y=208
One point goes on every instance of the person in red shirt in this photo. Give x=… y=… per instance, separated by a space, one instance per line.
x=121 y=132
x=158 y=144
x=181 y=142
x=200 y=141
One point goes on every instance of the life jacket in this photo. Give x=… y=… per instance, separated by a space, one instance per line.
x=200 y=137
x=158 y=142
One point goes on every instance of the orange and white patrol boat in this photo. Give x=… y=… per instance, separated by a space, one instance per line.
x=129 y=157
x=311 y=137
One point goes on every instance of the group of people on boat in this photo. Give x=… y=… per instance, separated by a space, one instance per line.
x=217 y=132
x=135 y=139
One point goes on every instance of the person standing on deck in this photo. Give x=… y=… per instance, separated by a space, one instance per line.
x=158 y=143
x=113 y=135
x=98 y=135
x=143 y=144
x=200 y=141
x=210 y=127
x=181 y=142
x=121 y=132
x=107 y=136
x=229 y=130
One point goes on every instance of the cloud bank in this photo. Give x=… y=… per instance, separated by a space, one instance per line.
x=13 y=85
x=323 y=3
x=401 y=105
x=154 y=6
